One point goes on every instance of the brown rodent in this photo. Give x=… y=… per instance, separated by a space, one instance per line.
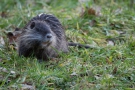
x=42 y=37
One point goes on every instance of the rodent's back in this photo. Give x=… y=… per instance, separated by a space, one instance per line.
x=43 y=37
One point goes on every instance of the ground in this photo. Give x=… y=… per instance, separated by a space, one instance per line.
x=108 y=26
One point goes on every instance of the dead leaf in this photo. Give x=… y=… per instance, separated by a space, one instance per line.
x=73 y=74
x=91 y=11
x=13 y=36
x=97 y=76
x=2 y=41
x=93 y=22
x=95 y=10
x=23 y=87
x=120 y=32
x=12 y=72
x=0 y=59
x=109 y=60
x=108 y=76
x=118 y=11
x=28 y=87
x=2 y=69
x=114 y=70
x=110 y=43
x=4 y=14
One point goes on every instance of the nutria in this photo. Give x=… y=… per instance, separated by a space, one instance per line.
x=42 y=37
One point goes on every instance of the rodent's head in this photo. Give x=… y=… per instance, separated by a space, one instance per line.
x=38 y=34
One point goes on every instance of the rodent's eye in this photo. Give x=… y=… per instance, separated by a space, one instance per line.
x=32 y=25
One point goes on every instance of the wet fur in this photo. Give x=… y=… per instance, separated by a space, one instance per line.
x=30 y=41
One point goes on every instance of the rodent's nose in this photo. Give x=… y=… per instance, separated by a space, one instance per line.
x=48 y=36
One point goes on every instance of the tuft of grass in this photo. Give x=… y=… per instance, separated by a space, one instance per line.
x=105 y=67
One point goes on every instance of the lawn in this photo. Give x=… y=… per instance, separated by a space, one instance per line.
x=108 y=26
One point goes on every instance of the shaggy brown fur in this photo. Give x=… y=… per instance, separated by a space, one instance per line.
x=42 y=37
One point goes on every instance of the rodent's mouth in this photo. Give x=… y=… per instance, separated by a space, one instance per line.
x=47 y=43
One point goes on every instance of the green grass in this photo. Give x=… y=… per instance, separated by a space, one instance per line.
x=104 y=67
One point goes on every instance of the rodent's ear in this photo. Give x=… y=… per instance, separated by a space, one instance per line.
x=32 y=25
x=10 y=34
